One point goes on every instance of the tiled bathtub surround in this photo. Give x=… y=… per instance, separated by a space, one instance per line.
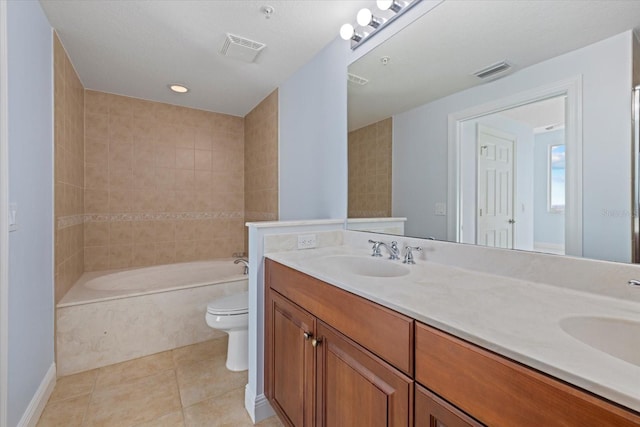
x=69 y=171
x=163 y=183
x=94 y=332
x=370 y=170
x=261 y=161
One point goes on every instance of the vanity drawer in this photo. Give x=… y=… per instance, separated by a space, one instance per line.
x=384 y=332
x=500 y=392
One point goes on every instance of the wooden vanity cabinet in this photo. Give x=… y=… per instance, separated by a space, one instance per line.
x=356 y=388
x=316 y=373
x=433 y=411
x=502 y=393
x=290 y=377
x=335 y=359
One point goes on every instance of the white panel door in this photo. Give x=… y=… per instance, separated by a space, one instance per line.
x=495 y=217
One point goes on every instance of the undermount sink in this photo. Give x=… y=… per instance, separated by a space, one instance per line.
x=363 y=266
x=619 y=338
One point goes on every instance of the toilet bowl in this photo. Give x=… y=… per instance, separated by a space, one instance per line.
x=231 y=315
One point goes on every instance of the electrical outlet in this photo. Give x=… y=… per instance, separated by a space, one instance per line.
x=306 y=241
x=441 y=209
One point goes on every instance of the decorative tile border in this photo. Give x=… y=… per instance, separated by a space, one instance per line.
x=68 y=221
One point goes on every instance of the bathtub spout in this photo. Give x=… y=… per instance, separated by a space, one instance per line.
x=246 y=264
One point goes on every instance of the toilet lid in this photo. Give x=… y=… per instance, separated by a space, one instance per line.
x=231 y=304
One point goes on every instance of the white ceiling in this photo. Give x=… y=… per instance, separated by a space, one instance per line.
x=136 y=48
x=436 y=55
x=549 y=112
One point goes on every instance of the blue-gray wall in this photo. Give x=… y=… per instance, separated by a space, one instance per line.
x=313 y=138
x=30 y=94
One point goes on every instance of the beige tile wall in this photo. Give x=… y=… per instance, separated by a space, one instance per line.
x=369 y=151
x=69 y=175
x=163 y=183
x=261 y=161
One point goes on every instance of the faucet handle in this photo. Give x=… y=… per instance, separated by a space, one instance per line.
x=375 y=248
x=408 y=254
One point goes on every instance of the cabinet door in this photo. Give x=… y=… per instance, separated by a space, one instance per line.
x=432 y=411
x=356 y=388
x=290 y=360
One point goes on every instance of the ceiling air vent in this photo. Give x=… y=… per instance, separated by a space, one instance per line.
x=240 y=48
x=492 y=70
x=360 y=81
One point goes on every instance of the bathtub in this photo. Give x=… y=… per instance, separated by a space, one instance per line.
x=113 y=316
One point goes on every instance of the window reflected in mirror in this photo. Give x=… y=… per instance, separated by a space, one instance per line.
x=556 y=178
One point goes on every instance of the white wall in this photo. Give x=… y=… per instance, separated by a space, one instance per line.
x=523 y=190
x=420 y=145
x=313 y=138
x=30 y=78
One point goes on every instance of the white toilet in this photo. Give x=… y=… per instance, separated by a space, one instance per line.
x=231 y=314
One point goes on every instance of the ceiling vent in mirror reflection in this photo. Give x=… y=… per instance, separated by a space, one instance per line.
x=492 y=70
x=240 y=48
x=357 y=80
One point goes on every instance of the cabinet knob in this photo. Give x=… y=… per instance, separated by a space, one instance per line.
x=307 y=336
x=316 y=342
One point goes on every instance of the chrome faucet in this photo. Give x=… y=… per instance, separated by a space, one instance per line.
x=246 y=264
x=408 y=254
x=394 y=251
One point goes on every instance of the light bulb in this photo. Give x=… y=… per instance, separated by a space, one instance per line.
x=389 y=4
x=364 y=17
x=347 y=31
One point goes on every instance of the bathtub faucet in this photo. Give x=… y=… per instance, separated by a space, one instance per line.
x=246 y=264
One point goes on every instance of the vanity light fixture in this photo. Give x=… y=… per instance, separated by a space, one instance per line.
x=178 y=88
x=365 y=17
x=347 y=32
x=392 y=5
x=370 y=24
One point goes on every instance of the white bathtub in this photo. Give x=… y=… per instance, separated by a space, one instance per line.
x=112 y=316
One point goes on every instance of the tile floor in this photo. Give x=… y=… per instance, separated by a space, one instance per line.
x=188 y=386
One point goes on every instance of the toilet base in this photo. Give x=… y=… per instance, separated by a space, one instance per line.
x=238 y=350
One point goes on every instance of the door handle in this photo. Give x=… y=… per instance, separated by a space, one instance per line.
x=307 y=336
x=512 y=221
x=316 y=342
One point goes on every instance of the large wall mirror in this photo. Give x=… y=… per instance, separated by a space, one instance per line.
x=501 y=123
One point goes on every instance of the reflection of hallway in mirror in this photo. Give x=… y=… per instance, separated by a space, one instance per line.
x=537 y=220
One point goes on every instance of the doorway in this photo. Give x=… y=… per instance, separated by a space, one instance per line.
x=543 y=218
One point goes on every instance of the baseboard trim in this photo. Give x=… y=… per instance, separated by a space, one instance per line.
x=258 y=407
x=36 y=406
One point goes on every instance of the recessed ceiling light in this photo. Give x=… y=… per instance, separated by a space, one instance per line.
x=179 y=88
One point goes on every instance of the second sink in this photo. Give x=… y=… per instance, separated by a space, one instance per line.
x=619 y=338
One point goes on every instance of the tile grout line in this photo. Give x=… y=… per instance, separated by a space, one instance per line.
x=93 y=389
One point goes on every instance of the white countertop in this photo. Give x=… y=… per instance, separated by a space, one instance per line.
x=516 y=318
